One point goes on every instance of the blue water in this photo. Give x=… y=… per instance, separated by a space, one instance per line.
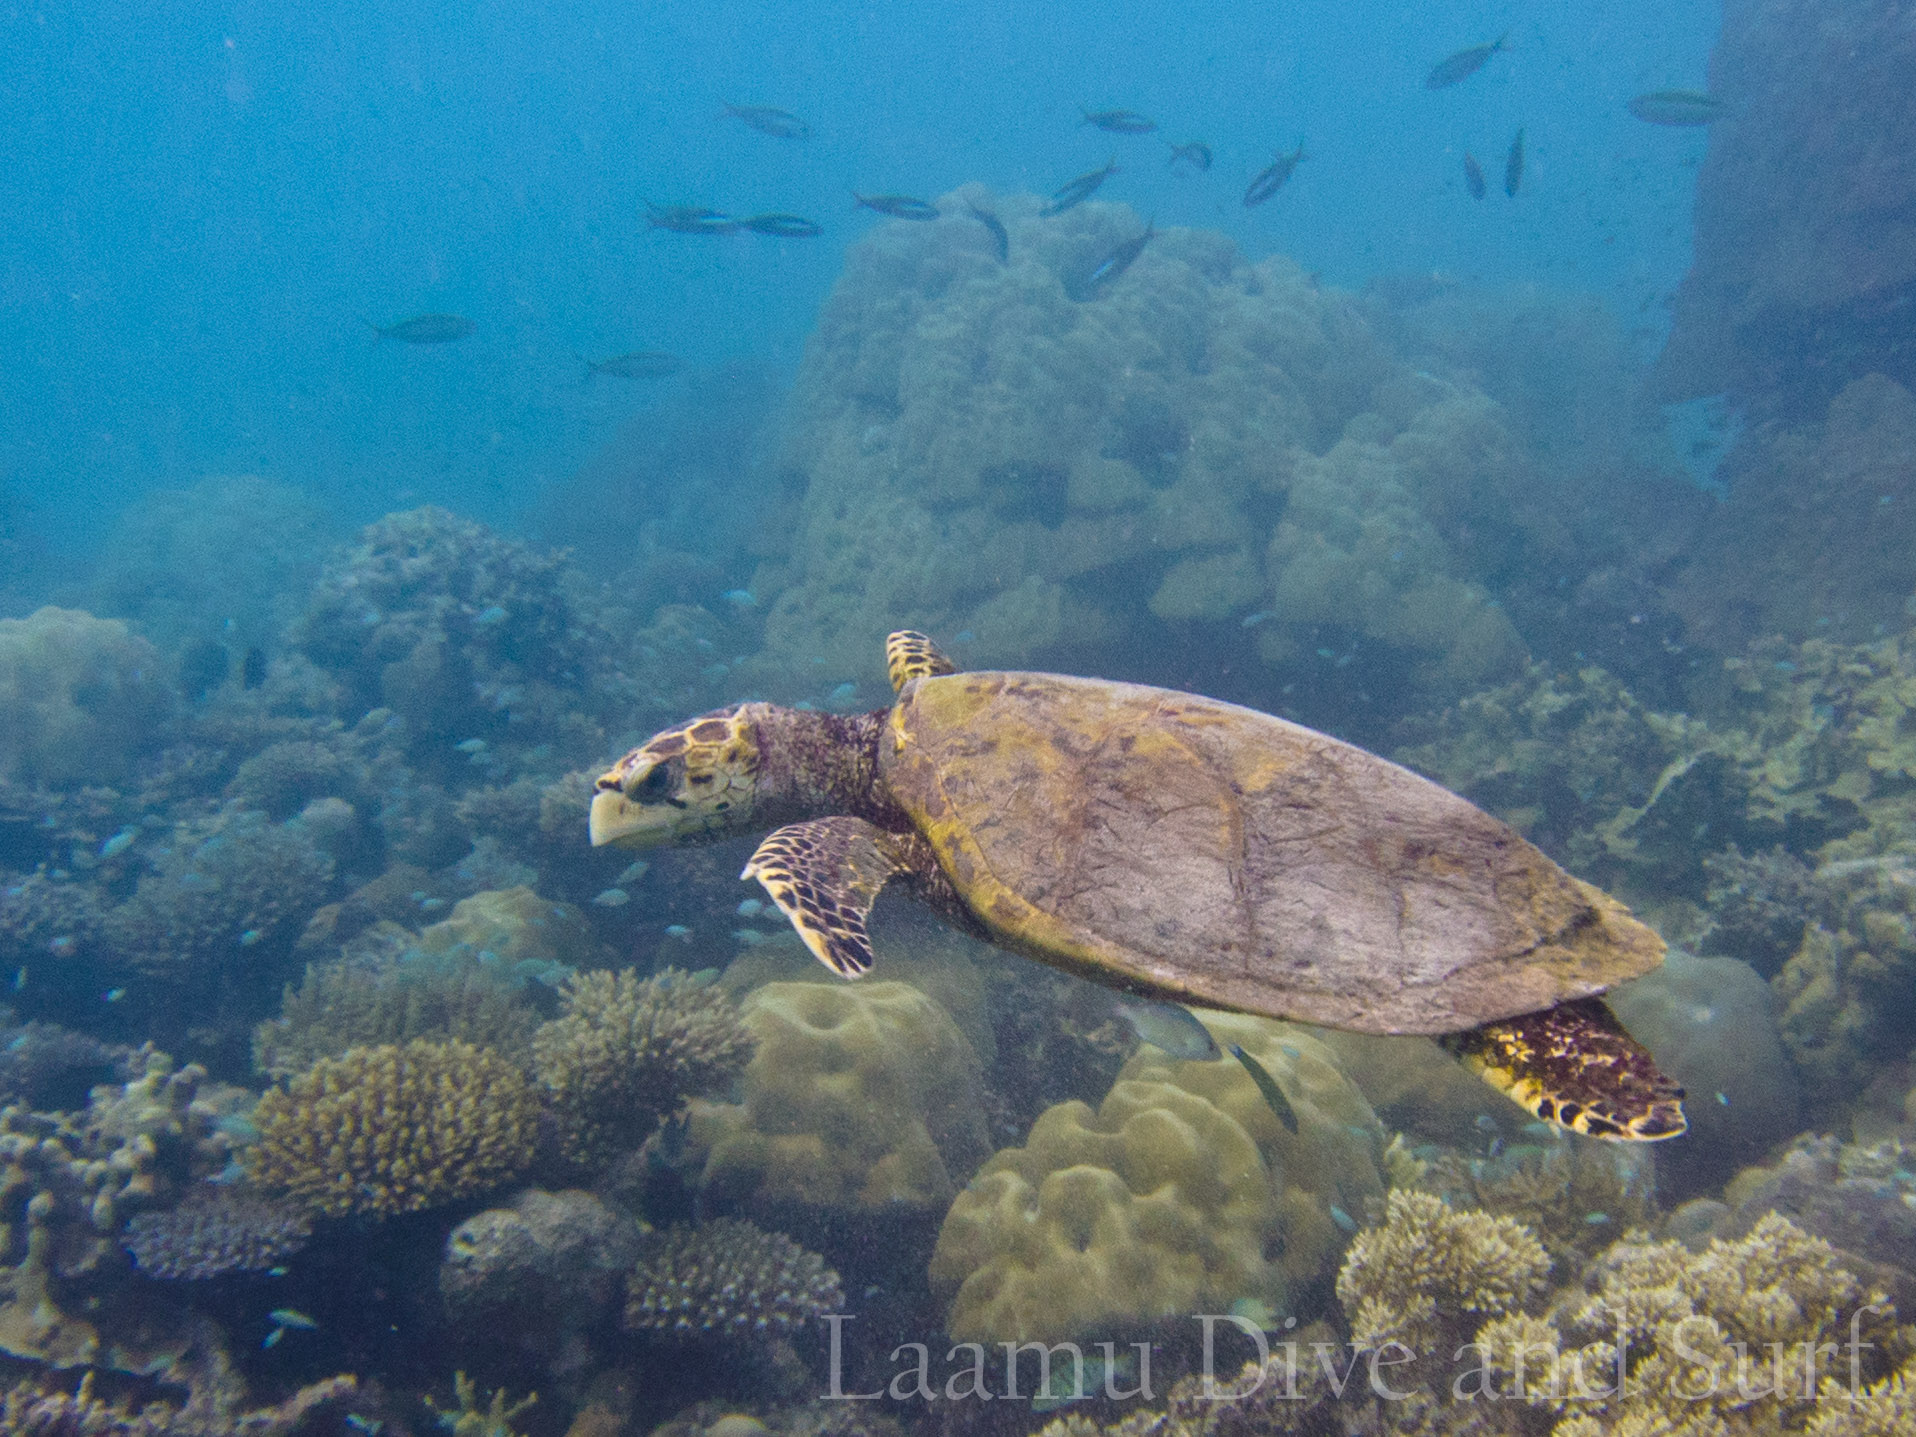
x=202 y=207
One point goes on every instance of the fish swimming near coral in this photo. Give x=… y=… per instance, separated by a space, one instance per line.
x=899 y=207
x=1473 y=176
x=689 y=219
x=1463 y=64
x=1513 y=166
x=640 y=364
x=1196 y=154
x=782 y=226
x=1174 y=847
x=424 y=329
x=1075 y=192
x=1170 y=1027
x=1000 y=237
x=1677 y=107
x=1267 y=1086
x=1119 y=122
x=1101 y=276
x=768 y=120
x=1272 y=177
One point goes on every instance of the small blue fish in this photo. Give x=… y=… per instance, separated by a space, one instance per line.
x=1343 y=1219
x=633 y=872
x=1721 y=1098
x=750 y=908
x=119 y=843
x=19 y=979
x=113 y=995
x=490 y=615
x=965 y=636
x=678 y=931
x=293 y=1317
x=1597 y=1219
x=1251 y=621
x=612 y=898
x=471 y=745
x=743 y=598
x=250 y=937
x=273 y=1337
x=364 y=1424
x=752 y=937
x=276 y=1271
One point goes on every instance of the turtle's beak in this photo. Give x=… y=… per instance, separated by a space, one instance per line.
x=617 y=818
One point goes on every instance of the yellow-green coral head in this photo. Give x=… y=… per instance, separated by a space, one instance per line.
x=699 y=778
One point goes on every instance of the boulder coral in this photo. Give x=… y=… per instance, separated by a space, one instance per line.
x=860 y=1099
x=393 y=1129
x=81 y=699
x=1219 y=438
x=627 y=1051
x=1182 y=1192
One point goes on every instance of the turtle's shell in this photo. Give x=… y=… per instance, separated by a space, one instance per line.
x=1193 y=849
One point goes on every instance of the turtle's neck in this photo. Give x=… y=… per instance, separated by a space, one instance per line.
x=812 y=765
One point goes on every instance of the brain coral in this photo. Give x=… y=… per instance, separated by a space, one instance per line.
x=395 y=1129
x=1230 y=430
x=860 y=1098
x=1182 y=1193
x=80 y=698
x=627 y=1051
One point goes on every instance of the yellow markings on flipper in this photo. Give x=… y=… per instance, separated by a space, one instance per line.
x=824 y=875
x=910 y=655
x=1574 y=1065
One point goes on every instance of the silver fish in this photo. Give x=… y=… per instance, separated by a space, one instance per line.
x=1169 y=1026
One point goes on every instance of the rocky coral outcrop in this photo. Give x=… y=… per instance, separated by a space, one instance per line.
x=81 y=699
x=1183 y=1192
x=731 y=1279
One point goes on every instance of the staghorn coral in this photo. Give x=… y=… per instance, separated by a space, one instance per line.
x=469 y=1419
x=214 y=1233
x=861 y=1099
x=224 y=893
x=627 y=1051
x=1182 y=1193
x=729 y=1278
x=1414 y=1278
x=1883 y=1409
x=395 y=1129
x=81 y=699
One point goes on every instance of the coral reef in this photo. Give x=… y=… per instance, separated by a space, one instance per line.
x=1183 y=1192
x=1430 y=1272
x=1759 y=906
x=224 y=893
x=1575 y=1195
x=469 y=1419
x=1229 y=429
x=34 y=1408
x=859 y=1099
x=1712 y=1024
x=44 y=918
x=213 y=1233
x=517 y=928
x=627 y=1051
x=394 y=997
x=544 y=1270
x=394 y=1129
x=81 y=699
x=729 y=1278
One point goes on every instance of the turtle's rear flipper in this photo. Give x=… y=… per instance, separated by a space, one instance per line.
x=824 y=875
x=910 y=655
x=1574 y=1065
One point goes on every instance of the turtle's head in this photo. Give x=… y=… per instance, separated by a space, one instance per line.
x=699 y=779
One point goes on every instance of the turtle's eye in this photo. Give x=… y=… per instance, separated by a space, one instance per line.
x=655 y=787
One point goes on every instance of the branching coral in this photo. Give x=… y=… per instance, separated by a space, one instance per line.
x=32 y=1408
x=395 y=1129
x=220 y=891
x=1429 y=1265
x=407 y=995
x=209 y=1235
x=628 y=1050
x=729 y=1278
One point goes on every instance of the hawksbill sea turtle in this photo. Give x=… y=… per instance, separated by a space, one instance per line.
x=1174 y=847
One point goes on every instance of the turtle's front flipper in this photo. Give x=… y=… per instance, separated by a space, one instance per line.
x=910 y=655
x=825 y=875
x=1574 y=1065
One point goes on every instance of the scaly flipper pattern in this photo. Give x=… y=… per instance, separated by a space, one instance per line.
x=824 y=875
x=1574 y=1065
x=910 y=655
